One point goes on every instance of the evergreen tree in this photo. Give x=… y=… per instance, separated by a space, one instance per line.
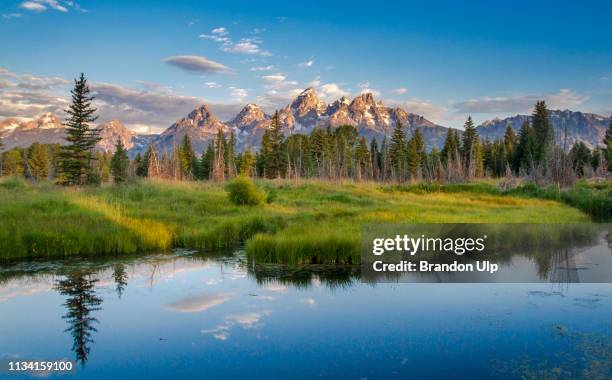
x=363 y=160
x=526 y=149
x=39 y=161
x=416 y=154
x=231 y=156
x=142 y=170
x=510 y=144
x=397 y=151
x=608 y=145
x=376 y=159
x=470 y=137
x=186 y=157
x=478 y=159
x=218 y=167
x=274 y=156
x=206 y=161
x=76 y=157
x=137 y=164
x=543 y=132
x=449 y=147
x=120 y=163
x=581 y=157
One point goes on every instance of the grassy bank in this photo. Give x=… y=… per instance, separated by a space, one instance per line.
x=307 y=222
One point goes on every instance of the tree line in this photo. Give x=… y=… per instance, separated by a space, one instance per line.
x=326 y=153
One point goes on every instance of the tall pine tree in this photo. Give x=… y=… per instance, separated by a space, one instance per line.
x=120 y=163
x=77 y=156
x=470 y=138
x=608 y=145
x=543 y=132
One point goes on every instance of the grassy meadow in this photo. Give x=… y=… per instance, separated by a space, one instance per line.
x=309 y=221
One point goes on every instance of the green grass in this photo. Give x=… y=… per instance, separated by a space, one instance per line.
x=306 y=222
x=593 y=198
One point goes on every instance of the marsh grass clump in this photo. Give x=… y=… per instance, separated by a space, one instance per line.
x=243 y=191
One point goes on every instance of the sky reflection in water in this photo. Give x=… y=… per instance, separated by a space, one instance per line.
x=164 y=316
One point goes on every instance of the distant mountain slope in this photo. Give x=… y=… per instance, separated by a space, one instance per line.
x=48 y=129
x=586 y=127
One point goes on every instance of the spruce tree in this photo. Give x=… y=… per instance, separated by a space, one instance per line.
x=120 y=163
x=143 y=169
x=608 y=145
x=543 y=132
x=470 y=137
x=275 y=157
x=186 y=156
x=206 y=161
x=231 y=156
x=581 y=157
x=526 y=149
x=77 y=156
x=416 y=153
x=397 y=151
x=449 y=146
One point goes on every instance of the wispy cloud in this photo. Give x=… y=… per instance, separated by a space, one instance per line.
x=274 y=77
x=365 y=88
x=44 y=5
x=308 y=63
x=249 y=46
x=197 y=64
x=238 y=93
x=212 y=85
x=11 y=15
x=400 y=91
x=262 y=68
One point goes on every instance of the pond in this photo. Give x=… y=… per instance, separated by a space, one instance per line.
x=194 y=315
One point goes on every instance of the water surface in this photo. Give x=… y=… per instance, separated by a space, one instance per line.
x=189 y=315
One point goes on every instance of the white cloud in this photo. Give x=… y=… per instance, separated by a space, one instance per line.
x=262 y=68
x=11 y=15
x=565 y=98
x=33 y=6
x=221 y=31
x=197 y=64
x=245 y=47
x=249 y=46
x=332 y=91
x=239 y=93
x=308 y=63
x=400 y=91
x=365 y=88
x=274 y=77
x=43 y=5
x=212 y=85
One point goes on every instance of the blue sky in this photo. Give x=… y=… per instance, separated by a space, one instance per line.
x=152 y=61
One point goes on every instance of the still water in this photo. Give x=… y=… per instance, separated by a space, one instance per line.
x=193 y=315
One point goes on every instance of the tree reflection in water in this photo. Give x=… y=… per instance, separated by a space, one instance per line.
x=120 y=277
x=81 y=302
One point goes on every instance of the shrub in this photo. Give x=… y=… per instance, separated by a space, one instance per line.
x=242 y=191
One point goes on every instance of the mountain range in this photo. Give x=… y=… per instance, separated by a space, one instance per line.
x=306 y=112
